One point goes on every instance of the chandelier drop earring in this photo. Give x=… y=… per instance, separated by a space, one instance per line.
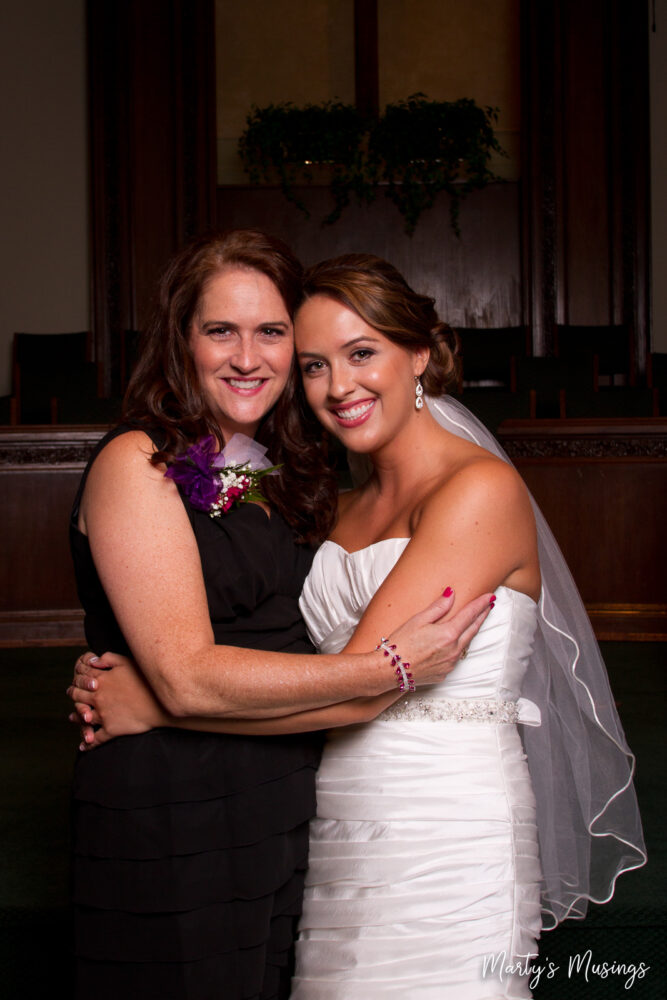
x=419 y=393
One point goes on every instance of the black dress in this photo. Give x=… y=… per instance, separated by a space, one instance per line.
x=190 y=848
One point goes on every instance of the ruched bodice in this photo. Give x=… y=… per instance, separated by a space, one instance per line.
x=424 y=861
x=341 y=584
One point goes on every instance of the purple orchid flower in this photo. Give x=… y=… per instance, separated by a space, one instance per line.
x=193 y=472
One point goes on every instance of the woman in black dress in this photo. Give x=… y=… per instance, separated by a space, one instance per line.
x=190 y=847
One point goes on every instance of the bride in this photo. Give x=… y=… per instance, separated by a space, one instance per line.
x=430 y=859
x=444 y=838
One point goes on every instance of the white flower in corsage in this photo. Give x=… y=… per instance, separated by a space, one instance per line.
x=214 y=481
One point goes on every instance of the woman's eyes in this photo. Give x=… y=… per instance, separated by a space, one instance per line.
x=273 y=331
x=360 y=355
x=313 y=367
x=265 y=331
x=219 y=332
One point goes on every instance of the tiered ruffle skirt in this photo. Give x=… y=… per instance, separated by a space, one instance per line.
x=189 y=858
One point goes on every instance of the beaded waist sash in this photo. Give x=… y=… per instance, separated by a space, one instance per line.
x=416 y=709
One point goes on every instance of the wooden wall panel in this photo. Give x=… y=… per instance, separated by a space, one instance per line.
x=476 y=279
x=593 y=508
x=602 y=486
x=36 y=549
x=573 y=247
x=40 y=469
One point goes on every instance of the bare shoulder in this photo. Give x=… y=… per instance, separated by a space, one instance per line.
x=127 y=454
x=481 y=489
x=133 y=444
x=479 y=523
x=122 y=473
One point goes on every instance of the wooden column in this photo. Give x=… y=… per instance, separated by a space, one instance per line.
x=152 y=142
x=366 y=67
x=585 y=168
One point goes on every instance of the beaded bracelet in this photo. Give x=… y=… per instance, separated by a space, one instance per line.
x=404 y=678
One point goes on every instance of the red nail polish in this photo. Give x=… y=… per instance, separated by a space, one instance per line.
x=447 y=592
x=492 y=600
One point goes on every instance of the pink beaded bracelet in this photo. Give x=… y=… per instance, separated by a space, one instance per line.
x=404 y=678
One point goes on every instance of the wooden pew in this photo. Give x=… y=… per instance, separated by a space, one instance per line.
x=602 y=485
x=40 y=468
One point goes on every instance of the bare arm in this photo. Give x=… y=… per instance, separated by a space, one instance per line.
x=478 y=529
x=119 y=701
x=123 y=704
x=148 y=561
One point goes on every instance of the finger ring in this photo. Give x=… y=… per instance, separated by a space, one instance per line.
x=463 y=653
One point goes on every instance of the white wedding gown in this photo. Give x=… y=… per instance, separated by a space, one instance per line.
x=424 y=874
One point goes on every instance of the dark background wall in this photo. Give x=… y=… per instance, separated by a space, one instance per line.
x=579 y=219
x=566 y=243
x=564 y=239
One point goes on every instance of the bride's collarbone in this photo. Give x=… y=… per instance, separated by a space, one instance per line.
x=361 y=525
x=367 y=516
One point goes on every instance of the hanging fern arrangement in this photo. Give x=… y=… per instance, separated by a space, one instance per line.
x=284 y=143
x=415 y=150
x=420 y=148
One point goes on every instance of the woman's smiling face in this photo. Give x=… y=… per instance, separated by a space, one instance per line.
x=242 y=343
x=360 y=385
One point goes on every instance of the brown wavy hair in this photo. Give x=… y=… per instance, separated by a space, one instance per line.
x=164 y=391
x=380 y=295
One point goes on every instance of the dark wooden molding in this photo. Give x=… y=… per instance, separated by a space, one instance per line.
x=594 y=439
x=56 y=627
x=629 y=622
x=36 y=447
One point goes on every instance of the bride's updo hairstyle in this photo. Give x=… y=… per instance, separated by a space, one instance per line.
x=381 y=296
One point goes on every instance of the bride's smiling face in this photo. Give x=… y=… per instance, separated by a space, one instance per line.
x=360 y=385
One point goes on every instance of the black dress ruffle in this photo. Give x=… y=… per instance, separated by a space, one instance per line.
x=190 y=848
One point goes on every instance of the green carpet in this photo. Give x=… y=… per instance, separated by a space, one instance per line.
x=37 y=747
x=632 y=928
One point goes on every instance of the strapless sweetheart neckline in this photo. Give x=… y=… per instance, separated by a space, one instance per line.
x=401 y=538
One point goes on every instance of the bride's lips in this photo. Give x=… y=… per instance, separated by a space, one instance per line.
x=353 y=414
x=244 y=386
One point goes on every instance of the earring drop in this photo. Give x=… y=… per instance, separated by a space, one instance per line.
x=419 y=393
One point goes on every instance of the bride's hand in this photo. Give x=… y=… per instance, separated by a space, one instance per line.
x=433 y=646
x=111 y=698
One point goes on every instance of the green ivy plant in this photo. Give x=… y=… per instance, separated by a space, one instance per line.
x=283 y=142
x=416 y=149
x=421 y=147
